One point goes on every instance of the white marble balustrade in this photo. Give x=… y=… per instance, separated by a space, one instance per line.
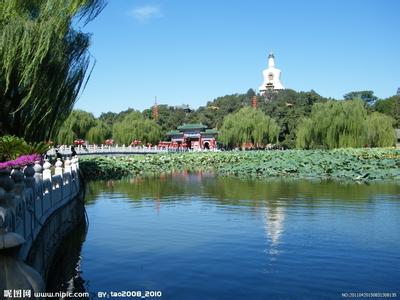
x=29 y=196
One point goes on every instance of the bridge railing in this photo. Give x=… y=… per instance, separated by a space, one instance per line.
x=29 y=196
x=106 y=149
x=95 y=149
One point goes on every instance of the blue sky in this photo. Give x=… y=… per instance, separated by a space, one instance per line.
x=190 y=52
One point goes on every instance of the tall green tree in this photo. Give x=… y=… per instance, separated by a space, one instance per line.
x=287 y=107
x=108 y=118
x=248 y=125
x=76 y=126
x=340 y=124
x=367 y=96
x=43 y=63
x=135 y=127
x=390 y=107
x=98 y=133
x=380 y=131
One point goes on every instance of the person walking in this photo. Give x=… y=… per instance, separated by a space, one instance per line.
x=73 y=152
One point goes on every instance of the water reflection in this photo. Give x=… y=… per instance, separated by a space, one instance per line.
x=232 y=191
x=196 y=236
x=274 y=220
x=65 y=274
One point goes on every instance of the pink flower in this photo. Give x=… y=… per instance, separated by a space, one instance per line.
x=21 y=161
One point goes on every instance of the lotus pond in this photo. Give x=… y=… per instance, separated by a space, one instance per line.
x=197 y=236
x=340 y=164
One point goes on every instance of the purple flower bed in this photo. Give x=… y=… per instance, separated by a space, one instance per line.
x=21 y=161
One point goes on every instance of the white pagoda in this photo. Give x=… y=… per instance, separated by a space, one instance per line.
x=272 y=76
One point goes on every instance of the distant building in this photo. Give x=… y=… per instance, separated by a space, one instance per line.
x=398 y=91
x=184 y=107
x=272 y=77
x=192 y=136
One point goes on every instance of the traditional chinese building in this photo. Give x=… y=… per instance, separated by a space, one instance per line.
x=192 y=136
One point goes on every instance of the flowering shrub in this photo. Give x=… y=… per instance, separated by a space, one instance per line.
x=12 y=147
x=21 y=161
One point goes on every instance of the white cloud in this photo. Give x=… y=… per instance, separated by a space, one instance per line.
x=146 y=12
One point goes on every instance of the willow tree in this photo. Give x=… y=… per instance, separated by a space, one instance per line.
x=380 y=132
x=76 y=126
x=248 y=125
x=43 y=63
x=98 y=133
x=135 y=127
x=341 y=124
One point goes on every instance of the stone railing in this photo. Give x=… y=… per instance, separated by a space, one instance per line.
x=105 y=149
x=29 y=196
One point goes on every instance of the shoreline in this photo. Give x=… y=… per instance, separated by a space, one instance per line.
x=356 y=165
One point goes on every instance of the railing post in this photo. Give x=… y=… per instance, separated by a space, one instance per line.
x=73 y=164
x=7 y=201
x=58 y=169
x=18 y=177
x=23 y=277
x=46 y=171
x=67 y=166
x=38 y=171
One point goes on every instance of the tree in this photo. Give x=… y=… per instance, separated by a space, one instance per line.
x=390 y=107
x=380 y=131
x=76 y=126
x=108 y=118
x=248 y=125
x=170 y=117
x=367 y=96
x=135 y=127
x=98 y=133
x=44 y=61
x=287 y=107
x=340 y=124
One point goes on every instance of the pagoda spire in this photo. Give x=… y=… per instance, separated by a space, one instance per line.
x=254 y=102
x=271 y=60
x=155 y=109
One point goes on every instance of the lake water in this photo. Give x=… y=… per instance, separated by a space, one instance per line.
x=195 y=236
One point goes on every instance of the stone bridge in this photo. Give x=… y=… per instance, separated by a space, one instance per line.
x=108 y=150
x=117 y=150
x=39 y=205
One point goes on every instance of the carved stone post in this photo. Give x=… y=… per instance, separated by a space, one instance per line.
x=46 y=171
x=18 y=177
x=14 y=273
x=73 y=163
x=38 y=171
x=29 y=172
x=67 y=166
x=58 y=169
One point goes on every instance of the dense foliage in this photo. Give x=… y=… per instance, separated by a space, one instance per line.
x=248 y=125
x=390 y=107
x=379 y=130
x=43 y=62
x=347 y=164
x=288 y=108
x=366 y=96
x=12 y=147
x=135 y=127
x=339 y=124
x=76 y=126
x=99 y=133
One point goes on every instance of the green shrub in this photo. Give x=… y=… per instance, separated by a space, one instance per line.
x=12 y=147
